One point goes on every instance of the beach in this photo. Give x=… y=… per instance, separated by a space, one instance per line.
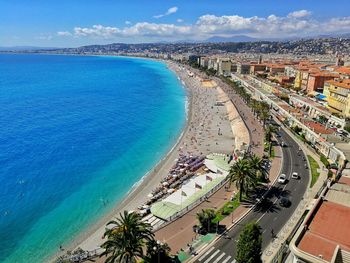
x=208 y=129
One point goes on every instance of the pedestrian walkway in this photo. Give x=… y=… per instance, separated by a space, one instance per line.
x=214 y=255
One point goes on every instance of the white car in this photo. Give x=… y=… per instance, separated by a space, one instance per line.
x=282 y=179
x=295 y=175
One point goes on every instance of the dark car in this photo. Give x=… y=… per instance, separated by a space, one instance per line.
x=284 y=202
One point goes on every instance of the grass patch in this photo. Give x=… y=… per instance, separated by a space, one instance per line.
x=227 y=209
x=314 y=167
x=272 y=152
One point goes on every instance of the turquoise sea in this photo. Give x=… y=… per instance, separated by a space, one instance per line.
x=76 y=133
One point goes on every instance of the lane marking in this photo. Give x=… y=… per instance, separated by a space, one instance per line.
x=219 y=257
x=206 y=254
x=227 y=259
x=212 y=256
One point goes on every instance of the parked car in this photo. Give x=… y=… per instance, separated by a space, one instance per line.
x=284 y=202
x=295 y=175
x=282 y=179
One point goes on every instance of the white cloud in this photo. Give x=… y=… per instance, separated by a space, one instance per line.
x=127 y=23
x=97 y=31
x=298 y=23
x=179 y=20
x=299 y=14
x=171 y=10
x=64 y=33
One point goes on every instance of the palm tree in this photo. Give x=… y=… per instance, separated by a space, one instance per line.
x=126 y=239
x=264 y=116
x=243 y=175
x=256 y=163
x=270 y=129
x=205 y=218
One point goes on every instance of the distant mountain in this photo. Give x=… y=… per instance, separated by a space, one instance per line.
x=25 y=48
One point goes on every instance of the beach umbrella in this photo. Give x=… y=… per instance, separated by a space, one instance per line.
x=150 y=195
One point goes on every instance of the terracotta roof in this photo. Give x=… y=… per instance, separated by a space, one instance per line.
x=343 y=70
x=318 y=127
x=345 y=83
x=329 y=227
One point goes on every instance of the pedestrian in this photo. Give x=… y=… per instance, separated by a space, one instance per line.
x=272 y=233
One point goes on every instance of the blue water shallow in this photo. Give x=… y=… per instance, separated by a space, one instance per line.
x=76 y=133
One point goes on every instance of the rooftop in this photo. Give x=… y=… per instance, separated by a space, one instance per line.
x=345 y=83
x=318 y=127
x=320 y=239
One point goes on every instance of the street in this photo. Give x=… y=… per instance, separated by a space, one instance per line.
x=269 y=214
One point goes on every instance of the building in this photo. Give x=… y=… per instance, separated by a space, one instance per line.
x=254 y=68
x=275 y=69
x=316 y=81
x=243 y=68
x=338 y=96
x=224 y=67
x=344 y=72
x=324 y=235
x=204 y=62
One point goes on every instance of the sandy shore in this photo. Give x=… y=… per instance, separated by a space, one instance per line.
x=208 y=129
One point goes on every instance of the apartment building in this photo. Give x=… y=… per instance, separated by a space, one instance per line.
x=338 y=96
x=224 y=66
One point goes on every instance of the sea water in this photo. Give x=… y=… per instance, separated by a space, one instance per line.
x=76 y=133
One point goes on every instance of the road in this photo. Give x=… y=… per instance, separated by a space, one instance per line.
x=269 y=214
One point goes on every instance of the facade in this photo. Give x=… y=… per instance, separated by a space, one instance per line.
x=204 y=62
x=316 y=81
x=224 y=67
x=254 y=68
x=338 y=97
x=243 y=68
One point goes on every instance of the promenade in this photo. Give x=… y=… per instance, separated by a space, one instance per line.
x=179 y=233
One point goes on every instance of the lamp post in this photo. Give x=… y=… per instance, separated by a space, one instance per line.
x=157 y=249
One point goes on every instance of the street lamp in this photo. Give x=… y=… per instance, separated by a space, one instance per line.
x=157 y=249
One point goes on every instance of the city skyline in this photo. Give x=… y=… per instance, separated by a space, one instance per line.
x=67 y=24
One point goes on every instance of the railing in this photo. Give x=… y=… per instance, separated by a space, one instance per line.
x=193 y=205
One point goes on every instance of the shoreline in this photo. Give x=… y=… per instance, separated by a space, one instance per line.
x=91 y=238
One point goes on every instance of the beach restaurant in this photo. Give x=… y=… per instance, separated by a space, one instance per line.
x=195 y=190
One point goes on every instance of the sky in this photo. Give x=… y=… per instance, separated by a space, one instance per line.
x=72 y=23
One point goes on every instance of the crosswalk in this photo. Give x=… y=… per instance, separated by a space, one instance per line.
x=214 y=255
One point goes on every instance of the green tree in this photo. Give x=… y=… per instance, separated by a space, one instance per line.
x=126 y=238
x=157 y=252
x=243 y=175
x=256 y=163
x=270 y=129
x=264 y=115
x=249 y=244
x=205 y=218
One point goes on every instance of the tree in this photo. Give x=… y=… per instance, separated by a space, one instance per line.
x=127 y=238
x=264 y=115
x=249 y=244
x=243 y=175
x=157 y=252
x=256 y=163
x=205 y=218
x=270 y=129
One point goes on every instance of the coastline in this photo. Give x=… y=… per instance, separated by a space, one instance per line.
x=91 y=238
